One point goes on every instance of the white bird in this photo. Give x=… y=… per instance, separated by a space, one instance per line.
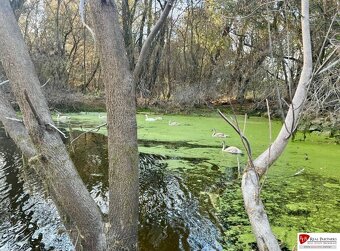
x=63 y=119
x=147 y=118
x=159 y=118
x=219 y=134
x=173 y=123
x=233 y=150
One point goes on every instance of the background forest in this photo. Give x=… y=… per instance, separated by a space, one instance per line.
x=206 y=53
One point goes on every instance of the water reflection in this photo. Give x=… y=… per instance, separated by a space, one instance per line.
x=172 y=215
x=28 y=219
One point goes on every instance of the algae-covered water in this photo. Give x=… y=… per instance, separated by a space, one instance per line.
x=309 y=202
x=190 y=191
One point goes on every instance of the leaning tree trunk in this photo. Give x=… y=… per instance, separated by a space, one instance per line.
x=68 y=190
x=250 y=180
x=15 y=128
x=147 y=44
x=122 y=127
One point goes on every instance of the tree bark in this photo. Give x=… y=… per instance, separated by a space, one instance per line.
x=250 y=180
x=122 y=127
x=68 y=190
x=127 y=29
x=16 y=129
x=147 y=44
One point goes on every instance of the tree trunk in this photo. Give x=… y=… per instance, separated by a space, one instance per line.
x=127 y=32
x=141 y=27
x=16 y=129
x=68 y=190
x=122 y=127
x=147 y=44
x=250 y=180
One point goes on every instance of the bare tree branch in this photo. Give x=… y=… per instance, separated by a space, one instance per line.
x=4 y=82
x=244 y=139
x=91 y=130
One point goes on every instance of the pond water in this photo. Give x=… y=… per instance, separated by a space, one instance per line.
x=190 y=195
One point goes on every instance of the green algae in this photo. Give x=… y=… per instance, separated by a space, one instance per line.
x=307 y=202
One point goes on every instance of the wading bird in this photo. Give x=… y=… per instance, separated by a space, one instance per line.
x=219 y=134
x=233 y=150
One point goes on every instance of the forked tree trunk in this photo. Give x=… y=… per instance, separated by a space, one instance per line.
x=122 y=126
x=68 y=190
x=250 y=180
x=39 y=140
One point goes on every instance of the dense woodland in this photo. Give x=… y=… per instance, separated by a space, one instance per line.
x=207 y=51
x=156 y=53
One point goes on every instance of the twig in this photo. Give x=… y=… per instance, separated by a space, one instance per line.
x=329 y=66
x=81 y=13
x=324 y=43
x=4 y=82
x=284 y=101
x=244 y=140
x=330 y=55
x=91 y=130
x=78 y=235
x=244 y=123
x=270 y=122
x=48 y=80
x=58 y=130
x=270 y=144
x=14 y=119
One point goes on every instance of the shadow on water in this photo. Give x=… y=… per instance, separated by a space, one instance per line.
x=174 y=211
x=173 y=145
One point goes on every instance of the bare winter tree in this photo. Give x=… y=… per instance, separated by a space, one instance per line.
x=39 y=139
x=257 y=168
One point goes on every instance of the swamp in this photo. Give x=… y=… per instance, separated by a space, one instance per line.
x=165 y=125
x=190 y=196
